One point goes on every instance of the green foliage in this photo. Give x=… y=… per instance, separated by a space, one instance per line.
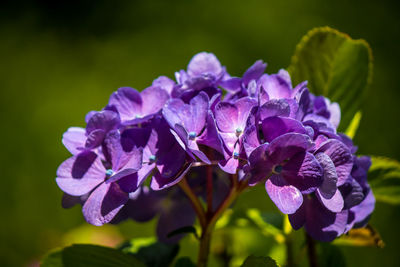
x=384 y=178
x=330 y=256
x=154 y=254
x=335 y=66
x=53 y=259
x=90 y=256
x=253 y=261
x=184 y=262
x=361 y=237
x=268 y=223
x=353 y=126
x=184 y=230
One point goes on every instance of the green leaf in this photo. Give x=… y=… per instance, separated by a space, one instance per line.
x=335 y=66
x=353 y=127
x=361 y=237
x=252 y=261
x=158 y=254
x=184 y=230
x=52 y=259
x=184 y=262
x=88 y=256
x=384 y=179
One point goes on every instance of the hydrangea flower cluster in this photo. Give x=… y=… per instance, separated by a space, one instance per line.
x=254 y=129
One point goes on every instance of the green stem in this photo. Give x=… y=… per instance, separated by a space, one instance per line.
x=205 y=239
x=198 y=208
x=204 y=250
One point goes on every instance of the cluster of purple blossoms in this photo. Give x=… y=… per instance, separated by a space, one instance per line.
x=256 y=128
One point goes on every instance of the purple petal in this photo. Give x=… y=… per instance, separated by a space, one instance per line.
x=322 y=224
x=204 y=63
x=79 y=174
x=244 y=107
x=210 y=137
x=172 y=109
x=159 y=182
x=230 y=140
x=260 y=165
x=74 y=139
x=230 y=165
x=121 y=174
x=273 y=127
x=352 y=193
x=129 y=183
x=95 y=138
x=231 y=84
x=250 y=139
x=287 y=145
x=298 y=219
x=200 y=154
x=275 y=86
x=153 y=99
x=334 y=110
x=303 y=171
x=169 y=166
x=105 y=120
x=254 y=72
x=127 y=102
x=198 y=111
x=274 y=107
x=284 y=75
x=135 y=137
x=319 y=120
x=363 y=210
x=286 y=197
x=164 y=83
x=335 y=203
x=340 y=156
x=113 y=151
x=226 y=116
x=104 y=203
x=328 y=187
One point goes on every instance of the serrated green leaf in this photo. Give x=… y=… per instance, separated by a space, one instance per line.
x=252 y=261
x=335 y=66
x=90 y=256
x=384 y=179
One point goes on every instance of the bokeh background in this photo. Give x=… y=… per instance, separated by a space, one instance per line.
x=61 y=59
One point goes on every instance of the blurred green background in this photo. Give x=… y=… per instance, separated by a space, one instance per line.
x=61 y=59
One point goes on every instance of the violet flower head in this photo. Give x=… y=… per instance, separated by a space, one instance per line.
x=131 y=157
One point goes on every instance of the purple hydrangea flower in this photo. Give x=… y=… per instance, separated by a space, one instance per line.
x=258 y=128
x=107 y=185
